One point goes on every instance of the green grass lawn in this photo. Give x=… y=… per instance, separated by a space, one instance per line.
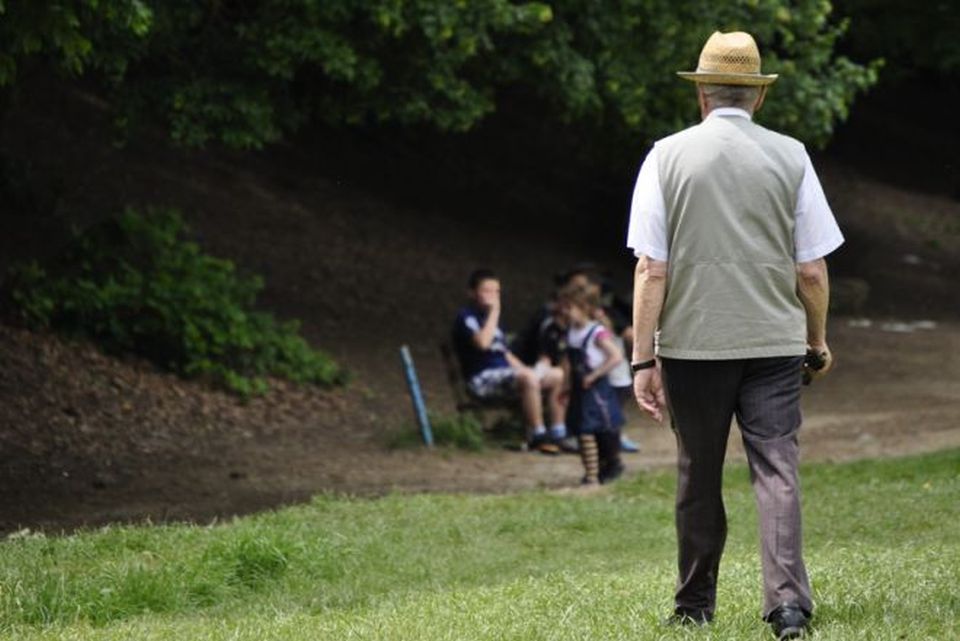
x=882 y=543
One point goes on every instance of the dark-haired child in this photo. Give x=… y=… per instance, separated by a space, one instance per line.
x=492 y=371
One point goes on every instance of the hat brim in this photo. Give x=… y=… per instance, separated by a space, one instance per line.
x=714 y=78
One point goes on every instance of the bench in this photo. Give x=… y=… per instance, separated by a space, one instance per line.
x=463 y=399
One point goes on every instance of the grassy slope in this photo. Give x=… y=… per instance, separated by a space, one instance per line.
x=881 y=546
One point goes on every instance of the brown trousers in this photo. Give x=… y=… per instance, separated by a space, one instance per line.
x=764 y=395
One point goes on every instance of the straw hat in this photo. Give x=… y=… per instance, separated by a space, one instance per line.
x=729 y=59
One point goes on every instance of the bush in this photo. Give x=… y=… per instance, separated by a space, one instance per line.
x=135 y=285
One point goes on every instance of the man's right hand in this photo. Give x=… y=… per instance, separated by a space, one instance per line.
x=818 y=363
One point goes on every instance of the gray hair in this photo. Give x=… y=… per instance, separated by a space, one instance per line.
x=741 y=96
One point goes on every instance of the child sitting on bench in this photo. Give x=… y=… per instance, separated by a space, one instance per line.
x=492 y=371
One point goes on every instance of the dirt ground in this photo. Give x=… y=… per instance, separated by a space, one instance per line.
x=94 y=440
x=86 y=439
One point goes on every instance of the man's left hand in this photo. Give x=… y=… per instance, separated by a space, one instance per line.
x=648 y=390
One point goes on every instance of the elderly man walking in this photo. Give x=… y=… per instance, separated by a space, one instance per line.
x=730 y=226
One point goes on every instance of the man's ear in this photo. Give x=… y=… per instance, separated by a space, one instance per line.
x=760 y=98
x=702 y=101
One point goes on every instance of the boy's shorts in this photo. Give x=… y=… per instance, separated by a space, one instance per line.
x=500 y=382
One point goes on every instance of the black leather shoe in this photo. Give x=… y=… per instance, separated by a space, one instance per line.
x=687 y=616
x=788 y=621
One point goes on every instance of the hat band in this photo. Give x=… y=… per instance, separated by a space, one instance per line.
x=732 y=59
x=729 y=64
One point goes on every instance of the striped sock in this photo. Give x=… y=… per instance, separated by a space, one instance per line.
x=590 y=457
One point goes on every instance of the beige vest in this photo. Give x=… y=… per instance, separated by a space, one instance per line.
x=730 y=188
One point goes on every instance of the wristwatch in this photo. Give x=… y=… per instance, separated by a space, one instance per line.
x=636 y=367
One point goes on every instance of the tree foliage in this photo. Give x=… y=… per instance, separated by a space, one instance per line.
x=74 y=34
x=246 y=73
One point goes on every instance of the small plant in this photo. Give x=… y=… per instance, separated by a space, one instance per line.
x=460 y=431
x=135 y=285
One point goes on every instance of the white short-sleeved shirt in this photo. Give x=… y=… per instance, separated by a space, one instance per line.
x=816 y=232
x=577 y=339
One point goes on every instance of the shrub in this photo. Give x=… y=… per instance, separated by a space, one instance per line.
x=136 y=285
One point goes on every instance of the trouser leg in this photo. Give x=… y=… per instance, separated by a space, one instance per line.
x=768 y=411
x=701 y=397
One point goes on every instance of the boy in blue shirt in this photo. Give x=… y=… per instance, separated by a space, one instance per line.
x=492 y=371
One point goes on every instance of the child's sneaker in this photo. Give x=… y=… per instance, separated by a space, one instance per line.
x=542 y=443
x=568 y=444
x=588 y=486
x=628 y=445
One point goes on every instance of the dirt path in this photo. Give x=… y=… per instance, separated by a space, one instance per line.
x=88 y=463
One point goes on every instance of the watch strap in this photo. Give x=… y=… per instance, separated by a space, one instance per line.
x=636 y=367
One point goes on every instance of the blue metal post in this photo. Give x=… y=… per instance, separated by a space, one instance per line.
x=419 y=407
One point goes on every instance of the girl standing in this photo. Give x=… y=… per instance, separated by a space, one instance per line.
x=594 y=410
